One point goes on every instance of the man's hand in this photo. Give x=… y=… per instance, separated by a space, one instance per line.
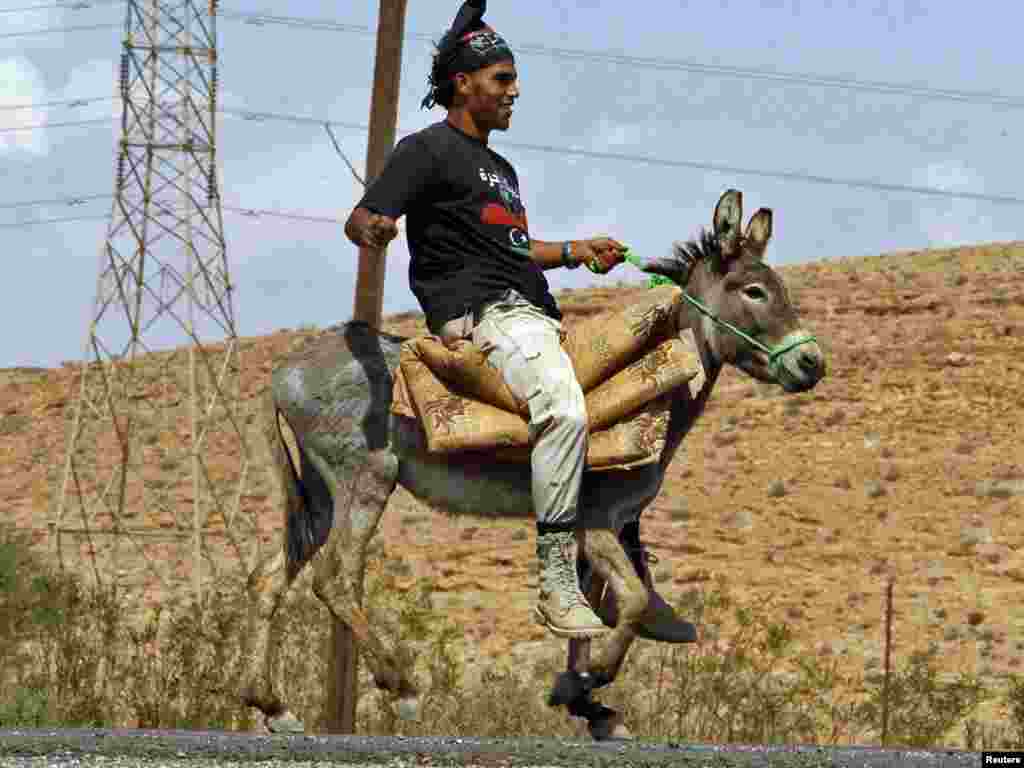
x=370 y=230
x=600 y=254
x=379 y=231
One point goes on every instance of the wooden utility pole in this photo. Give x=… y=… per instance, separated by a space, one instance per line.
x=383 y=125
x=343 y=656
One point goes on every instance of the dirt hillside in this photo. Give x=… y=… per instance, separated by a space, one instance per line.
x=906 y=461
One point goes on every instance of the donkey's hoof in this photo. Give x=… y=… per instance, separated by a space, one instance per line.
x=408 y=709
x=569 y=687
x=286 y=722
x=612 y=727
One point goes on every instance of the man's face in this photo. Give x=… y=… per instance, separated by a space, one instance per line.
x=489 y=94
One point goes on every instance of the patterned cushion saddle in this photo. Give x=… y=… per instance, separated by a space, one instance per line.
x=628 y=365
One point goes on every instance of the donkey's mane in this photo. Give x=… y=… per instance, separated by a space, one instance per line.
x=704 y=247
x=685 y=255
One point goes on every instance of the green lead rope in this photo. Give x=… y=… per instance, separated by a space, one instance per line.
x=653 y=281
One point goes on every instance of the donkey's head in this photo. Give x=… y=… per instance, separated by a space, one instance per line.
x=725 y=272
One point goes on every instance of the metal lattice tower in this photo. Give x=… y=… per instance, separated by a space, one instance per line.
x=141 y=500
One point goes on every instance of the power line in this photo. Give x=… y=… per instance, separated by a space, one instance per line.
x=983 y=98
x=255 y=116
x=324 y=25
x=244 y=114
x=23 y=224
x=257 y=212
x=341 y=152
x=54 y=30
x=250 y=115
x=62 y=102
x=58 y=201
x=810 y=178
x=662 y=63
x=870 y=184
x=248 y=212
x=878 y=186
x=64 y=124
x=75 y=6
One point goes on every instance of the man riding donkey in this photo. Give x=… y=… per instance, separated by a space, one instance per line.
x=478 y=275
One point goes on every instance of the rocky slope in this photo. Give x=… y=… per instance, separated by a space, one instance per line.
x=905 y=462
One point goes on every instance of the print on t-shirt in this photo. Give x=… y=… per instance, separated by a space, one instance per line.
x=510 y=213
x=469 y=239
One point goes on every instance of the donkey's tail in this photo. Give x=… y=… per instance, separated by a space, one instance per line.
x=308 y=507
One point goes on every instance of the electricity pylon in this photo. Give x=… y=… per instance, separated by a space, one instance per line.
x=146 y=423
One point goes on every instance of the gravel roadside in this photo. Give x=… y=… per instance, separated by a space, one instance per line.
x=87 y=748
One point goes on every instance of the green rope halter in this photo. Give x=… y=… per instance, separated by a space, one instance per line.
x=774 y=353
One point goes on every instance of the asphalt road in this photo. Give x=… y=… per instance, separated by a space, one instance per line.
x=88 y=748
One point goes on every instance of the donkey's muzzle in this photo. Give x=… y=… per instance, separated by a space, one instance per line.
x=802 y=366
x=812 y=363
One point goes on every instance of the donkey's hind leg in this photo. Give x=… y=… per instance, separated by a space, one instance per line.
x=361 y=487
x=267 y=587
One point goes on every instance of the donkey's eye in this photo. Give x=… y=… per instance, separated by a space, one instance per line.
x=755 y=293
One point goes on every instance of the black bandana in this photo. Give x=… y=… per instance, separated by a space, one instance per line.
x=468 y=46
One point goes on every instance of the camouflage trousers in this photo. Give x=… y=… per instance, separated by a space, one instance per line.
x=524 y=344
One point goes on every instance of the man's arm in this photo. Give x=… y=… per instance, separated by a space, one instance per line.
x=406 y=174
x=600 y=254
x=550 y=255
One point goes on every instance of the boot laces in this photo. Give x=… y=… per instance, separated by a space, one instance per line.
x=565 y=575
x=563 y=572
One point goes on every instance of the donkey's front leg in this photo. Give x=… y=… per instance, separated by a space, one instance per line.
x=604 y=723
x=607 y=564
x=605 y=553
x=572 y=688
x=361 y=488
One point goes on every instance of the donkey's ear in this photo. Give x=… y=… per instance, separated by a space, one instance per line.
x=759 y=231
x=728 y=220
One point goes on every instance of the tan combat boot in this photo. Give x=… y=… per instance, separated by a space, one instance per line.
x=561 y=606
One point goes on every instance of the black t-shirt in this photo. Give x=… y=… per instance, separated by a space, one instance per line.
x=465 y=223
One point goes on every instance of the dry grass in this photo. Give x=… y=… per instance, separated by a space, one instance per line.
x=70 y=657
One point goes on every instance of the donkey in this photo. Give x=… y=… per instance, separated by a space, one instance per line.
x=335 y=395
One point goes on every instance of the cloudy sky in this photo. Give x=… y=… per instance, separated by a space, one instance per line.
x=706 y=129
